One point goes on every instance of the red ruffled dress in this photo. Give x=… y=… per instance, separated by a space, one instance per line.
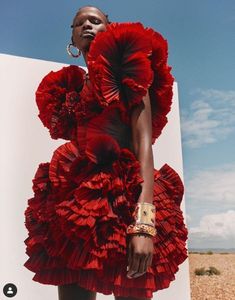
x=85 y=196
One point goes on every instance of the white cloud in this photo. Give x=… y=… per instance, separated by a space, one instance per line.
x=210 y=201
x=218 y=225
x=212 y=187
x=215 y=230
x=211 y=118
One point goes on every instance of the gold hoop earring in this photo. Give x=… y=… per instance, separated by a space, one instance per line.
x=70 y=53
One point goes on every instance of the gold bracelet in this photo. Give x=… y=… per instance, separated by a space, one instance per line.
x=145 y=213
x=141 y=228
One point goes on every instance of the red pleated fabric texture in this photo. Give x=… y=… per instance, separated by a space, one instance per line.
x=57 y=98
x=78 y=218
x=124 y=62
x=84 y=198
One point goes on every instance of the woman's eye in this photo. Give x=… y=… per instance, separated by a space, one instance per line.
x=77 y=24
x=96 y=21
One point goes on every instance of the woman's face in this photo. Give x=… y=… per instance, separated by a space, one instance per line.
x=87 y=23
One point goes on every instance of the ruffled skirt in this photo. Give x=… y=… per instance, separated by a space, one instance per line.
x=78 y=217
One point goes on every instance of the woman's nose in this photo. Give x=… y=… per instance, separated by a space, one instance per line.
x=87 y=24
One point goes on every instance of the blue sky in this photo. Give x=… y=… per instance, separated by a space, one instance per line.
x=201 y=40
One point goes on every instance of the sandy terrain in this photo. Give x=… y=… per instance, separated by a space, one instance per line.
x=215 y=287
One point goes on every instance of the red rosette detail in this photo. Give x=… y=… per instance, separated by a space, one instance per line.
x=57 y=97
x=117 y=60
x=39 y=217
x=102 y=149
x=124 y=62
x=159 y=48
x=37 y=204
x=170 y=242
x=161 y=90
x=62 y=163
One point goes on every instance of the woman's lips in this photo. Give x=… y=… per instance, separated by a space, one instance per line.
x=88 y=34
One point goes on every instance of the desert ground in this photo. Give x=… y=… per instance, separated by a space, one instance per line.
x=213 y=287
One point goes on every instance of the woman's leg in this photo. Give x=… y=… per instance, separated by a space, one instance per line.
x=130 y=298
x=75 y=292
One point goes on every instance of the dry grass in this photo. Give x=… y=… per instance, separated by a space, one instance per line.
x=214 y=287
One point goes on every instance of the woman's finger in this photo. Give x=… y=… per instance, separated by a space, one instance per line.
x=142 y=267
x=129 y=259
x=149 y=260
x=134 y=266
x=143 y=264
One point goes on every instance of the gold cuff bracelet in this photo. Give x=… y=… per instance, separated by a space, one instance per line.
x=145 y=213
x=141 y=228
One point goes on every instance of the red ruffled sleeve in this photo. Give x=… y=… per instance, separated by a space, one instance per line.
x=124 y=62
x=57 y=98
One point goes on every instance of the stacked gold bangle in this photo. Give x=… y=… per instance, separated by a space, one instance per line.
x=144 y=215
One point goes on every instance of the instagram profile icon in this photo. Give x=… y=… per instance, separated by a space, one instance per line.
x=9 y=290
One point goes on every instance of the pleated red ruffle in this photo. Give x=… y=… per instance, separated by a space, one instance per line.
x=78 y=217
x=57 y=97
x=124 y=62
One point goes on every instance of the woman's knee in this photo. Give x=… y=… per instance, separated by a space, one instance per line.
x=75 y=292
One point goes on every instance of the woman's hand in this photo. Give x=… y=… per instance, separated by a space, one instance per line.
x=140 y=254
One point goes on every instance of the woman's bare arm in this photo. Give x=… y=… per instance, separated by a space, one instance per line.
x=140 y=248
x=142 y=142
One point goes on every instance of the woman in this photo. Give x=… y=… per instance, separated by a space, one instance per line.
x=102 y=218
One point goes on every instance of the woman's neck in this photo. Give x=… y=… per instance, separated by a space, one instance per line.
x=84 y=54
